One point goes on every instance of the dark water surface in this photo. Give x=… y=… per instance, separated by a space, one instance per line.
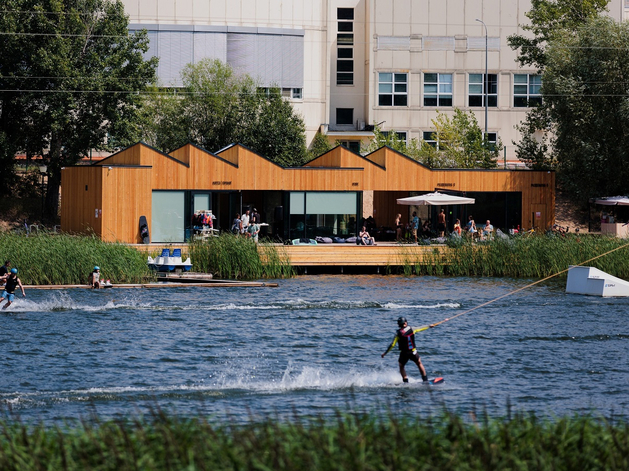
x=312 y=346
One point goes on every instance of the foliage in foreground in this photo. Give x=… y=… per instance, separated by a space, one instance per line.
x=61 y=259
x=351 y=442
x=526 y=256
x=236 y=257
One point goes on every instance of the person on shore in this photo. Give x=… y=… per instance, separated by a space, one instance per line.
x=415 y=225
x=405 y=338
x=488 y=231
x=427 y=229
x=398 y=227
x=471 y=226
x=12 y=282
x=365 y=238
x=94 y=279
x=457 y=227
x=4 y=270
x=441 y=223
x=244 y=222
x=256 y=215
x=237 y=225
x=253 y=229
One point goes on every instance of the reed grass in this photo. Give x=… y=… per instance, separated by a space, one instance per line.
x=235 y=257
x=351 y=441
x=59 y=259
x=531 y=256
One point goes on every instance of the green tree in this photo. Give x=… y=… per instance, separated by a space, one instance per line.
x=585 y=93
x=77 y=72
x=459 y=143
x=319 y=146
x=160 y=124
x=217 y=107
x=533 y=148
x=547 y=19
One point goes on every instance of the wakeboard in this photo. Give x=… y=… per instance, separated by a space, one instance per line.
x=430 y=382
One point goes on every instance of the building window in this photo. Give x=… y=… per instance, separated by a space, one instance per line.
x=344 y=116
x=345 y=14
x=401 y=135
x=437 y=89
x=345 y=46
x=322 y=214
x=294 y=93
x=430 y=139
x=392 y=89
x=354 y=146
x=526 y=90
x=476 y=95
x=492 y=137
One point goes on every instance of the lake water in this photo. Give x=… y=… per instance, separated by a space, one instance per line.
x=312 y=347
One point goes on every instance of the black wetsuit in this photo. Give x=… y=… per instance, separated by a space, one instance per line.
x=406 y=343
x=405 y=337
x=11 y=284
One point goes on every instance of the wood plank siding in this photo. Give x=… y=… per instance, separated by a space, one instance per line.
x=108 y=197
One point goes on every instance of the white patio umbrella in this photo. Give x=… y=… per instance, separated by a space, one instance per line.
x=435 y=199
x=613 y=201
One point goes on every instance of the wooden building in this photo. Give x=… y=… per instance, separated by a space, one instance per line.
x=326 y=197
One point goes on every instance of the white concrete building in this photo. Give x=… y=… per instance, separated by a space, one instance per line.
x=347 y=64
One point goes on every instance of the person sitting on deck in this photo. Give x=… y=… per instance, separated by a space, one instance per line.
x=94 y=279
x=365 y=238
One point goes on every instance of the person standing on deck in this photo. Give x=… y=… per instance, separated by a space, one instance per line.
x=441 y=223
x=4 y=270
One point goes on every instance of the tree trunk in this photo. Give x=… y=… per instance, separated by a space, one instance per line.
x=51 y=201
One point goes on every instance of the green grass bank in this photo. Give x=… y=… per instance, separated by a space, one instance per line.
x=56 y=259
x=360 y=442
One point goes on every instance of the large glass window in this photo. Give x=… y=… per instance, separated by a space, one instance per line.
x=392 y=89
x=437 y=89
x=527 y=90
x=201 y=202
x=324 y=214
x=168 y=221
x=476 y=95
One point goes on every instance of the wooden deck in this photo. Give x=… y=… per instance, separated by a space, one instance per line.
x=350 y=255
x=384 y=254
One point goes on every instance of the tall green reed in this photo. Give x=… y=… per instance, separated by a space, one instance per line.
x=236 y=257
x=47 y=258
x=534 y=256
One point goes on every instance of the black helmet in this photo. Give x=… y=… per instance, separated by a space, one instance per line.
x=401 y=321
